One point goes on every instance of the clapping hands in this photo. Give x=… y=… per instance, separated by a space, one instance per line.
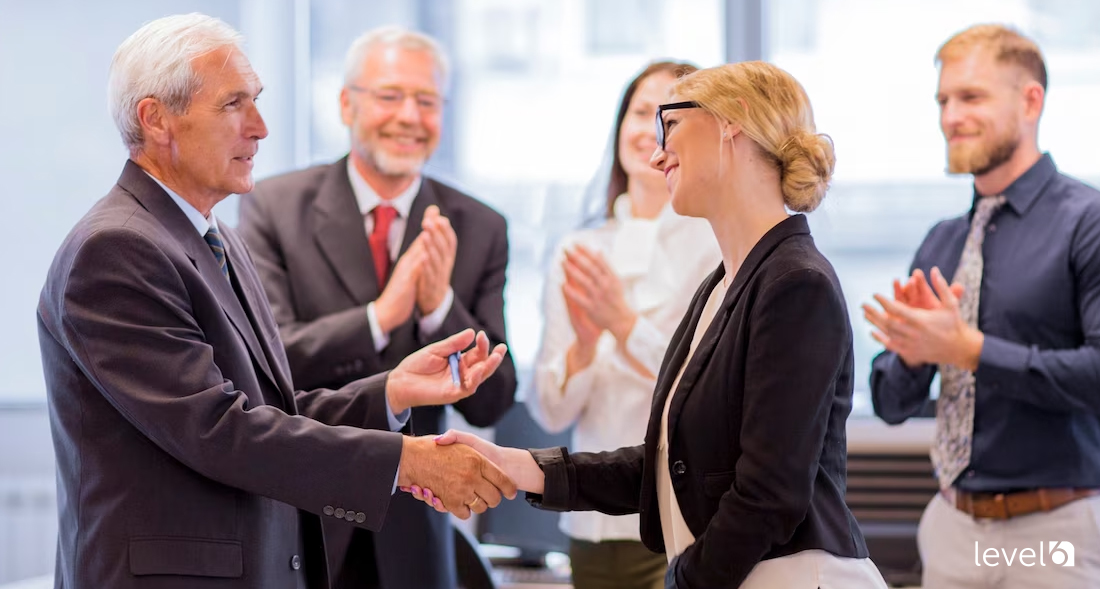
x=923 y=324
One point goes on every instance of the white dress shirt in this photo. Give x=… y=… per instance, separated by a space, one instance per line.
x=661 y=263
x=367 y=199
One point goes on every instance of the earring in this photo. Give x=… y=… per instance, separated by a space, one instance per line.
x=725 y=135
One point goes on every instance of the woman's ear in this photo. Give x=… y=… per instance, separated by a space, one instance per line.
x=729 y=131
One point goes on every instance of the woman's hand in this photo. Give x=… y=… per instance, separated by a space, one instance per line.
x=518 y=464
x=593 y=287
x=583 y=351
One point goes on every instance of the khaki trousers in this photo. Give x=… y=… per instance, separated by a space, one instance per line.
x=960 y=552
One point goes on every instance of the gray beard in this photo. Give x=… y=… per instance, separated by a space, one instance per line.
x=389 y=165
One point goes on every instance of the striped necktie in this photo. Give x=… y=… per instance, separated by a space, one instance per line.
x=213 y=238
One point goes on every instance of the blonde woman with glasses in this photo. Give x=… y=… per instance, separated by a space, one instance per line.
x=740 y=481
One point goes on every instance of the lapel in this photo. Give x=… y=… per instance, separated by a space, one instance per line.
x=791 y=226
x=340 y=233
x=160 y=205
x=425 y=197
x=255 y=302
x=682 y=342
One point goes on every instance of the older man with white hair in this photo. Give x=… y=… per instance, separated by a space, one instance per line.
x=185 y=456
x=366 y=259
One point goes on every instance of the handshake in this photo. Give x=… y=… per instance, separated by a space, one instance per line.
x=462 y=473
x=456 y=472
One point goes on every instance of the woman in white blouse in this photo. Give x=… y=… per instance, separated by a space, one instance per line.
x=614 y=296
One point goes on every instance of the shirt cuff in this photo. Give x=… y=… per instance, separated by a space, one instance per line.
x=381 y=338
x=582 y=379
x=640 y=343
x=1001 y=358
x=430 y=323
x=556 y=492
x=397 y=421
x=909 y=375
x=558 y=403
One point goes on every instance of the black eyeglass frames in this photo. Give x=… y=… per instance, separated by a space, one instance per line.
x=661 y=130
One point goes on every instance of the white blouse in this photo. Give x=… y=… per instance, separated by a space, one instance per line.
x=661 y=263
x=674 y=529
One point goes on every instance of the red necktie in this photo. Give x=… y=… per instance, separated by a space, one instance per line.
x=379 y=241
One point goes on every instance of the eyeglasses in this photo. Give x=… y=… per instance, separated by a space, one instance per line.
x=393 y=98
x=661 y=130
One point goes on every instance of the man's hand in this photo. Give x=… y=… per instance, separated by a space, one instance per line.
x=933 y=335
x=440 y=246
x=516 y=463
x=593 y=287
x=463 y=480
x=395 y=305
x=918 y=294
x=424 y=377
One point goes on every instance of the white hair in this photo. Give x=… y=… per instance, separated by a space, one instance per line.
x=155 y=62
x=393 y=36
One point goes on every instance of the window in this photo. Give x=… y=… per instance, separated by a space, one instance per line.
x=870 y=73
x=523 y=135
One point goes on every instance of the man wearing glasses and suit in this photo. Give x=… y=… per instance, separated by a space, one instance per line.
x=366 y=260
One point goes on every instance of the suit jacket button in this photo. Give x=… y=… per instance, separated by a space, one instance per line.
x=295 y=562
x=328 y=510
x=350 y=516
x=678 y=467
x=339 y=512
x=360 y=517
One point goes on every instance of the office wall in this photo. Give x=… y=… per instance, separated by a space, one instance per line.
x=59 y=151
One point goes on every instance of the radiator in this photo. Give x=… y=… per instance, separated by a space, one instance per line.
x=28 y=528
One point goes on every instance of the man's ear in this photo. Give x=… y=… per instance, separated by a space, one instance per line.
x=347 y=108
x=1034 y=97
x=153 y=119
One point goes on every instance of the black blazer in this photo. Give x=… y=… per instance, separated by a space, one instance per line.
x=312 y=254
x=184 y=456
x=757 y=447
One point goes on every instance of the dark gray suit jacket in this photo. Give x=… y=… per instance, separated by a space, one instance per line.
x=307 y=236
x=184 y=456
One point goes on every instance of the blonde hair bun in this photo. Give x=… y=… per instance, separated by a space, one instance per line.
x=806 y=162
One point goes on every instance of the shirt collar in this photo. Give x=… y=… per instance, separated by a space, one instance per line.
x=1021 y=194
x=201 y=223
x=368 y=198
x=622 y=211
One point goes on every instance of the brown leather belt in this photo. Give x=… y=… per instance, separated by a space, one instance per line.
x=1006 y=505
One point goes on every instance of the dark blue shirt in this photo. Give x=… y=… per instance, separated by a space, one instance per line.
x=1037 y=398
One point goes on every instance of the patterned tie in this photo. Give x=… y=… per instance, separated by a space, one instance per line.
x=955 y=407
x=213 y=238
x=379 y=241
